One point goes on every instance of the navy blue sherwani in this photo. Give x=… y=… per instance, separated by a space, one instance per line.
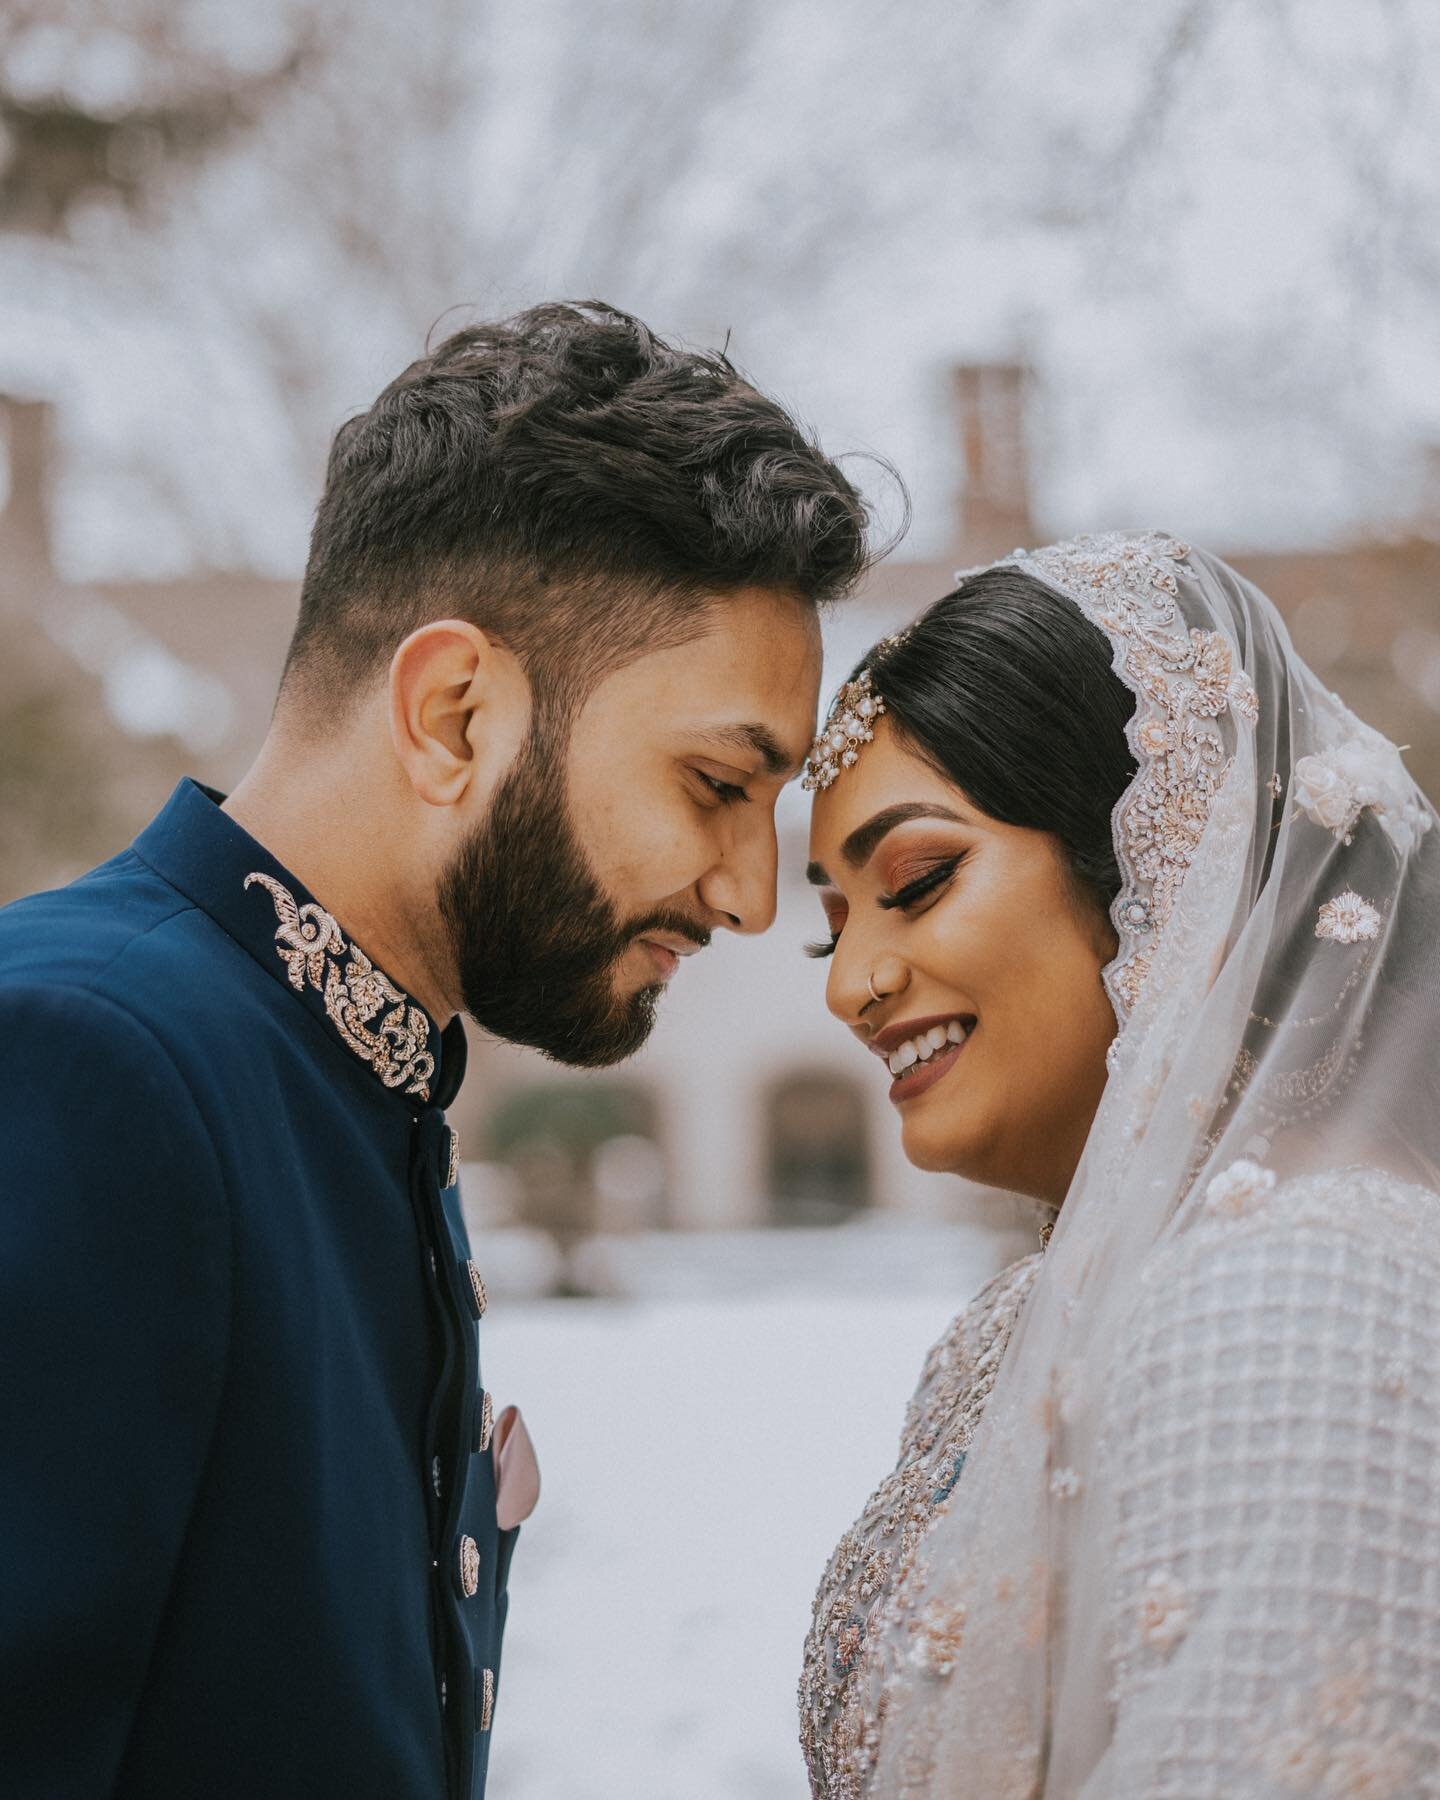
x=248 y=1544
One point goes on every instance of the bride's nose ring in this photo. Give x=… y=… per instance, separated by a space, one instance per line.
x=897 y=979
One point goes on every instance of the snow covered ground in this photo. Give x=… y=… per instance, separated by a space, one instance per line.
x=700 y=1459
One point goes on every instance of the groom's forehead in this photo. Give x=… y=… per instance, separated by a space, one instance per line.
x=747 y=664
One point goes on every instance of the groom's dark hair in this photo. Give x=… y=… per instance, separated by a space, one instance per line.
x=574 y=484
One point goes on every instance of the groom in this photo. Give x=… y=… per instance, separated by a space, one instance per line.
x=557 y=654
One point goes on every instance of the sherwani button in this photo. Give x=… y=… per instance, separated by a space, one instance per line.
x=479 y=1299
x=484 y=1423
x=469 y=1566
x=484 y=1699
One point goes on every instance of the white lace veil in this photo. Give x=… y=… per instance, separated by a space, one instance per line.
x=1276 y=986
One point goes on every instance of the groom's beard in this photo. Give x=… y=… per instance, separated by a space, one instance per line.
x=536 y=940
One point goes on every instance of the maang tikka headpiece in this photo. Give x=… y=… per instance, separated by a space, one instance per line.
x=849 y=723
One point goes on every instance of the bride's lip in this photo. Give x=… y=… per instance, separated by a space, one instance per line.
x=893 y=1036
x=920 y=1080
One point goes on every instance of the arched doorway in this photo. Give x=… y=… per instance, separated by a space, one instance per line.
x=818 y=1157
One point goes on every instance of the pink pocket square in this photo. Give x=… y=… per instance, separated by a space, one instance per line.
x=517 y=1473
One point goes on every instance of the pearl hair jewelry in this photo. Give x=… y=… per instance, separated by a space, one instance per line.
x=849 y=723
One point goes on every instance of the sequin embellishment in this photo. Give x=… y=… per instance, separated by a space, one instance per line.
x=310 y=944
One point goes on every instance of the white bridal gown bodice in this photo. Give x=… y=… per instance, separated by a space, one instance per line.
x=1272 y=1434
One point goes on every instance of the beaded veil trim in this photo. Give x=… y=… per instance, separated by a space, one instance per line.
x=1184 y=682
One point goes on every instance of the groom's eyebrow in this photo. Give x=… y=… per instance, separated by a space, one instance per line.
x=860 y=846
x=759 y=740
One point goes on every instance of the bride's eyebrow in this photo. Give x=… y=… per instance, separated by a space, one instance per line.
x=862 y=842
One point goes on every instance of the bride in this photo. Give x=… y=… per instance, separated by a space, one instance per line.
x=1146 y=925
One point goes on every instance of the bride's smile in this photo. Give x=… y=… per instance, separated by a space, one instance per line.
x=968 y=957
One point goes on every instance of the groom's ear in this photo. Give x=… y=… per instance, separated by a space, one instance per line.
x=459 y=706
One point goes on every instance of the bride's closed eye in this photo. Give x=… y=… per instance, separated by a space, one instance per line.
x=922 y=887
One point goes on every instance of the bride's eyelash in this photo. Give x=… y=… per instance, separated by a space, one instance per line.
x=903 y=897
x=921 y=885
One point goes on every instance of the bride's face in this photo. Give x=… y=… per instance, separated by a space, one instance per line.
x=973 y=933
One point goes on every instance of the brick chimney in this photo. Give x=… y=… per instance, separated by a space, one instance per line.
x=26 y=568
x=1427 y=520
x=994 y=510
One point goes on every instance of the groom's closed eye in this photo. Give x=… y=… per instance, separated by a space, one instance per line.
x=726 y=792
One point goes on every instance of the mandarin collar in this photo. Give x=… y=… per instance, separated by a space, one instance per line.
x=215 y=863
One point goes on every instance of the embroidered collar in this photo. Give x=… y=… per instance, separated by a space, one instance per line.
x=214 y=862
x=356 y=993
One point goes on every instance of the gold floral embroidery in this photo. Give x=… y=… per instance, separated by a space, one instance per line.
x=1184 y=680
x=310 y=943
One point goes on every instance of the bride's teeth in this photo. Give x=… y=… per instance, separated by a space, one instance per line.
x=955 y=1032
x=907 y=1054
x=895 y=1062
x=938 y=1036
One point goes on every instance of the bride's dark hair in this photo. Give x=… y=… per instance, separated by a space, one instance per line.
x=1007 y=690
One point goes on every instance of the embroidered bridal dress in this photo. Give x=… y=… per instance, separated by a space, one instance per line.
x=1165 y=1523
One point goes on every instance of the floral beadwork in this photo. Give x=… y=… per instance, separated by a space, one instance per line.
x=1238 y=1189
x=1334 y=786
x=1348 y=919
x=309 y=942
x=1164 y=1611
x=935 y=1642
x=1185 y=680
x=1337 y=1739
x=865 y=1593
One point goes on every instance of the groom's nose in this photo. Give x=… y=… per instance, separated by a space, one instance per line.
x=738 y=891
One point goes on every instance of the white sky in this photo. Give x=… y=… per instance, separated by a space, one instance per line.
x=1227 y=284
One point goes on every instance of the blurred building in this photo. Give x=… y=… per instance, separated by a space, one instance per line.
x=750 y=1106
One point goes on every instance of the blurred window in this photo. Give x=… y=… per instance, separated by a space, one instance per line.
x=584 y=1155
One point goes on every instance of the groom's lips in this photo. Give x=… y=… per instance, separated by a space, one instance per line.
x=665 y=950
